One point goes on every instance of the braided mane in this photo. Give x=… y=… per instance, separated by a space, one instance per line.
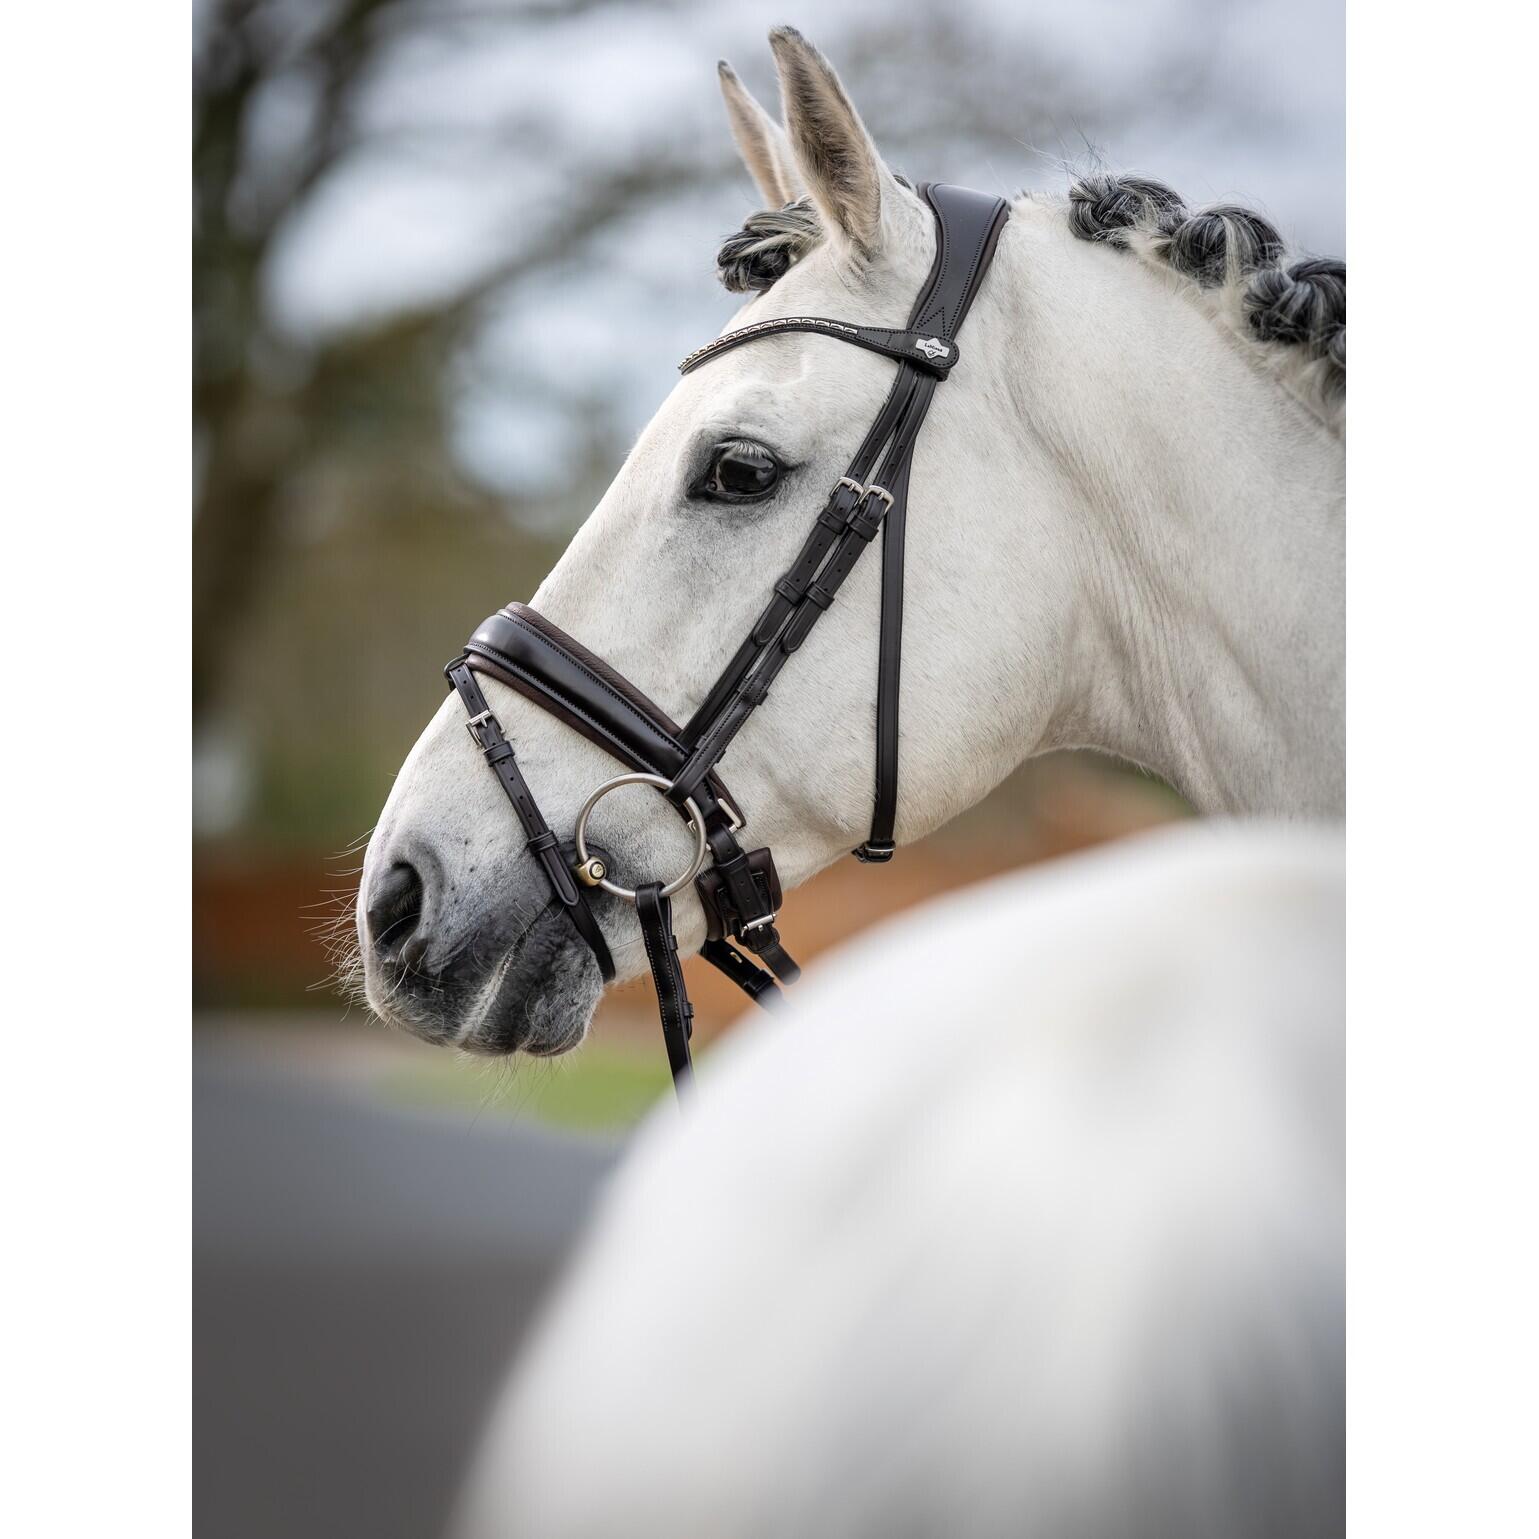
x=1230 y=253
x=1301 y=306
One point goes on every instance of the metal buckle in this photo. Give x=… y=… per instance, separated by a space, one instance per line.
x=475 y=721
x=878 y=491
x=759 y=924
x=580 y=836
x=877 y=854
x=853 y=485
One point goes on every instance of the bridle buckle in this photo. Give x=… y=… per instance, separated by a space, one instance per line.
x=870 y=490
x=875 y=852
x=475 y=721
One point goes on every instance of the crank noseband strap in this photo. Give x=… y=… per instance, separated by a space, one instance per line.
x=538 y=659
x=486 y=731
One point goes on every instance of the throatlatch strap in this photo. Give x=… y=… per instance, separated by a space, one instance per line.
x=656 y=915
x=967 y=226
x=542 y=843
x=880 y=845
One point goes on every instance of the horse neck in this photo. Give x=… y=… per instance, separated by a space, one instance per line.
x=1215 y=658
x=1203 y=623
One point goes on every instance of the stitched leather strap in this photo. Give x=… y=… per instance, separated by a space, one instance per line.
x=925 y=350
x=528 y=653
x=790 y=590
x=967 y=226
x=656 y=915
x=542 y=843
x=872 y=495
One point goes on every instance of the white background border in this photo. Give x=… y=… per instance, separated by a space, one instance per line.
x=1443 y=1067
x=94 y=112
x=1443 y=965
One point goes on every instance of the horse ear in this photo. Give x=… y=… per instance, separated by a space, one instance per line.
x=834 y=153
x=761 y=141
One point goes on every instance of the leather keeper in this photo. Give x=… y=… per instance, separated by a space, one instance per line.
x=711 y=887
x=867 y=528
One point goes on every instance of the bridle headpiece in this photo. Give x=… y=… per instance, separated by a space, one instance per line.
x=739 y=889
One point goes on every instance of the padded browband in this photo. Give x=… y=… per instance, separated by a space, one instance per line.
x=527 y=653
x=936 y=355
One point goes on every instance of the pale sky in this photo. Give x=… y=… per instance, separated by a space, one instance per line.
x=483 y=126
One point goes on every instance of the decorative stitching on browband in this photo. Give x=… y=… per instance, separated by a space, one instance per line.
x=780 y=323
x=933 y=353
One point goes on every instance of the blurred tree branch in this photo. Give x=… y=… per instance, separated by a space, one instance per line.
x=270 y=410
x=273 y=413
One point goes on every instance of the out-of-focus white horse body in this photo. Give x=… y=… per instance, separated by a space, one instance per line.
x=1029 y=1220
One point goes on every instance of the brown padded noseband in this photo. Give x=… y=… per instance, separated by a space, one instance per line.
x=529 y=653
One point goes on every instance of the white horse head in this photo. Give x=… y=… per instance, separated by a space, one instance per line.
x=1124 y=533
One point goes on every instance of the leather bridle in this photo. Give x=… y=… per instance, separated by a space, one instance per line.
x=740 y=890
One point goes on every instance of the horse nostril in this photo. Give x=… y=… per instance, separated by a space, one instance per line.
x=395 y=910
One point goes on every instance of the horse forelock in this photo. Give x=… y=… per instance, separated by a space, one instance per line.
x=770 y=243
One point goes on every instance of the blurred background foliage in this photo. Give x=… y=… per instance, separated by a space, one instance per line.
x=446 y=254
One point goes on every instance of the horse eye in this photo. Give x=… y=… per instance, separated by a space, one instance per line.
x=739 y=471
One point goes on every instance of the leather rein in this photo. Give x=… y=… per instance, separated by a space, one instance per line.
x=739 y=890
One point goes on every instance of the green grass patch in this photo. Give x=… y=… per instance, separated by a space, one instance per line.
x=598 y=1088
